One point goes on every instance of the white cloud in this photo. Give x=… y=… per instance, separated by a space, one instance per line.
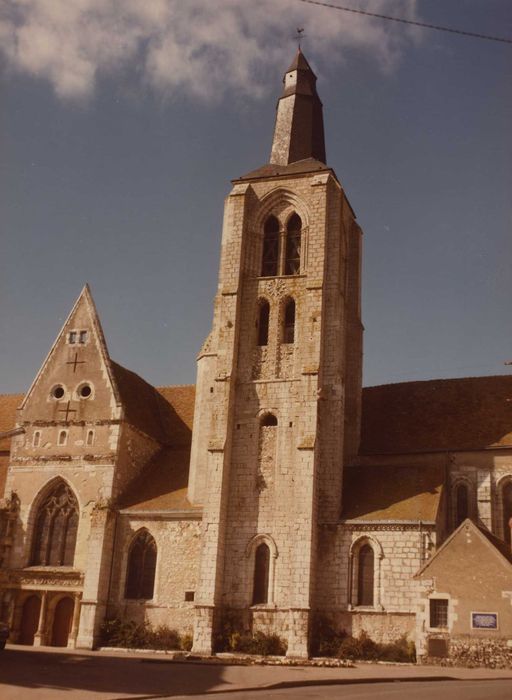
x=202 y=48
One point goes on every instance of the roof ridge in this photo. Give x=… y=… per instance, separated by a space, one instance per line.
x=440 y=379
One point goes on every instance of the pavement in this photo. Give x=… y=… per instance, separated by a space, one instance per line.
x=49 y=673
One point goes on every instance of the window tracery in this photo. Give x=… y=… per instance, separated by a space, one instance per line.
x=56 y=528
x=140 y=574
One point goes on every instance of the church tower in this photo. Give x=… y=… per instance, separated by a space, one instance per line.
x=279 y=382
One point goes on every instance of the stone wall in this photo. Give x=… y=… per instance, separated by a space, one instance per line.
x=178 y=545
x=471 y=652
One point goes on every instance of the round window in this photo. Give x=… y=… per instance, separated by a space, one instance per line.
x=58 y=392
x=84 y=391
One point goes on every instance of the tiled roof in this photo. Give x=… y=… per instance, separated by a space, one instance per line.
x=8 y=405
x=307 y=165
x=162 y=485
x=146 y=409
x=392 y=493
x=442 y=414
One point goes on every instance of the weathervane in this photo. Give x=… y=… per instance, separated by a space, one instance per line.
x=300 y=35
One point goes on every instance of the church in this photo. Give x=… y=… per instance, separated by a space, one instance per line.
x=277 y=489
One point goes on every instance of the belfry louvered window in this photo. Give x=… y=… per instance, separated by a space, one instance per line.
x=293 y=236
x=140 y=574
x=365 y=575
x=261 y=574
x=56 y=527
x=270 y=257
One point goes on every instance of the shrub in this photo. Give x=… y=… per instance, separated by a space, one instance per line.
x=327 y=641
x=132 y=635
x=231 y=638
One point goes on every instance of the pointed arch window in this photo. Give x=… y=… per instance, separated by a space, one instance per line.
x=56 y=528
x=140 y=574
x=506 y=496
x=261 y=574
x=270 y=257
x=289 y=322
x=461 y=503
x=365 y=575
x=293 y=242
x=263 y=322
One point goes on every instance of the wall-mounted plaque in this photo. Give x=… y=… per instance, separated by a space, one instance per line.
x=484 y=620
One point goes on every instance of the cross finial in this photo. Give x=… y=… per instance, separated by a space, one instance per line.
x=300 y=35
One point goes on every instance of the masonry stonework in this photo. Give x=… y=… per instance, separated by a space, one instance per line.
x=277 y=491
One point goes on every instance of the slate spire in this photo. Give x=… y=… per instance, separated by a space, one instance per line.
x=299 y=129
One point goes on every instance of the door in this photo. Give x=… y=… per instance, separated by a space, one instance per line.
x=30 y=619
x=62 y=619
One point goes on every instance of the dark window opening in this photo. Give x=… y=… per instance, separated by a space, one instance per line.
x=83 y=337
x=263 y=322
x=37 y=438
x=461 y=504
x=269 y=419
x=270 y=257
x=507 y=511
x=438 y=612
x=90 y=437
x=72 y=337
x=58 y=392
x=189 y=596
x=365 y=575
x=140 y=576
x=63 y=437
x=293 y=236
x=56 y=528
x=261 y=574
x=289 y=322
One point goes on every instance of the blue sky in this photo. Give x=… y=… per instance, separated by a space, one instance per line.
x=123 y=124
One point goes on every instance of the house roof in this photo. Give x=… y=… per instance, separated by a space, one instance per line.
x=495 y=545
x=442 y=414
x=406 y=493
x=147 y=409
x=307 y=165
x=162 y=485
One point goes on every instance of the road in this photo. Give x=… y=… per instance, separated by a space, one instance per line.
x=50 y=674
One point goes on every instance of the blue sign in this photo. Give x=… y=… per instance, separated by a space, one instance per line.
x=484 y=620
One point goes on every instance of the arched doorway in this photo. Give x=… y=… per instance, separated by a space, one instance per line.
x=30 y=619
x=62 y=619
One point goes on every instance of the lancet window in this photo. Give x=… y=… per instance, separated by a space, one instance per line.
x=140 y=574
x=365 y=575
x=293 y=236
x=263 y=322
x=56 y=528
x=281 y=249
x=461 y=503
x=506 y=496
x=261 y=574
x=270 y=259
x=289 y=322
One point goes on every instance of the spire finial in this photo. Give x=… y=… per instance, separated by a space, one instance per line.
x=300 y=36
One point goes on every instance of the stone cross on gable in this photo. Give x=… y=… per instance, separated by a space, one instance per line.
x=75 y=362
x=67 y=410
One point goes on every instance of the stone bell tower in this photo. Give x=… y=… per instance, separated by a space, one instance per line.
x=279 y=381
